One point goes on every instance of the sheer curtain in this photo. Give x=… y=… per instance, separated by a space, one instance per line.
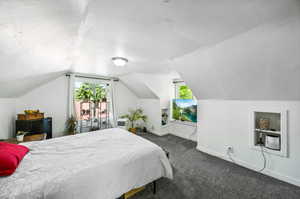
x=91 y=102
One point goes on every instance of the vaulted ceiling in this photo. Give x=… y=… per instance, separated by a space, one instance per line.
x=222 y=48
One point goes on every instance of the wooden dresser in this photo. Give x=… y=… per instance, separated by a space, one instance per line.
x=38 y=126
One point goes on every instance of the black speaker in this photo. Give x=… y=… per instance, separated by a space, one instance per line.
x=48 y=127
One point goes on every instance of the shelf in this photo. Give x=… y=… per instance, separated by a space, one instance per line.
x=268 y=131
x=261 y=121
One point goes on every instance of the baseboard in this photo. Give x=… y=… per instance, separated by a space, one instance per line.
x=268 y=172
x=158 y=133
x=184 y=137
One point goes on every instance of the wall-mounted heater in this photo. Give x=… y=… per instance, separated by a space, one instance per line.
x=122 y=123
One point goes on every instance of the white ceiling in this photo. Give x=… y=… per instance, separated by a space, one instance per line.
x=43 y=38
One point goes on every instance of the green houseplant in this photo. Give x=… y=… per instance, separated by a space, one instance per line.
x=99 y=94
x=84 y=92
x=90 y=92
x=185 y=92
x=71 y=125
x=133 y=117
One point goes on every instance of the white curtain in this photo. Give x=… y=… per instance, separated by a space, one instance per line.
x=71 y=95
x=113 y=102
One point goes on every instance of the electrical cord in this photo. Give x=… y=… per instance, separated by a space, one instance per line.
x=228 y=153
x=265 y=159
x=263 y=155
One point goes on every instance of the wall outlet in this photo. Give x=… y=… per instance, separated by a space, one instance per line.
x=230 y=149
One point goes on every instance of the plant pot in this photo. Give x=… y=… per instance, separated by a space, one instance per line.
x=132 y=130
x=20 y=138
x=145 y=130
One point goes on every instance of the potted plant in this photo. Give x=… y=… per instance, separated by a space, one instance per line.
x=71 y=125
x=133 y=117
x=20 y=136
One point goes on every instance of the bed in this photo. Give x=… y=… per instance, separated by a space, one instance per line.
x=96 y=165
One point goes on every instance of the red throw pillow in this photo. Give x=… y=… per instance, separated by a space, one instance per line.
x=10 y=157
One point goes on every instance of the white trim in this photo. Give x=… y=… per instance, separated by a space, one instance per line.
x=268 y=172
x=113 y=102
x=193 y=124
x=159 y=133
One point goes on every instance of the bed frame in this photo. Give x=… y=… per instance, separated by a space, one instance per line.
x=154 y=185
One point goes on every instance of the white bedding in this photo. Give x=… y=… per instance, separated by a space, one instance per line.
x=96 y=165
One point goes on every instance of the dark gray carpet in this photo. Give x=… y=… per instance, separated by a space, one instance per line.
x=200 y=176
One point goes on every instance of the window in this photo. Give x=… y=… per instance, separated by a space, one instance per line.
x=92 y=104
x=185 y=92
x=184 y=105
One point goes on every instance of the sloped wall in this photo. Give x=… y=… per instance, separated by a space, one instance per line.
x=262 y=64
x=136 y=83
x=161 y=85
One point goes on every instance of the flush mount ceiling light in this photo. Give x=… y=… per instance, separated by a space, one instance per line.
x=119 y=61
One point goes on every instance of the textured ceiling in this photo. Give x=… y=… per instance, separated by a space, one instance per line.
x=43 y=38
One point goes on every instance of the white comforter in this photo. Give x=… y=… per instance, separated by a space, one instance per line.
x=96 y=165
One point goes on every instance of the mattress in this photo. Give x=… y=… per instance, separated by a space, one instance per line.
x=96 y=165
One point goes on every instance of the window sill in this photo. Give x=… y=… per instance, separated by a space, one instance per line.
x=184 y=123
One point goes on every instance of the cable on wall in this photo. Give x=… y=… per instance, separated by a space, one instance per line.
x=265 y=159
x=262 y=153
x=229 y=156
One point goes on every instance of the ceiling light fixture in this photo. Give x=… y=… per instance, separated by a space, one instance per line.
x=119 y=61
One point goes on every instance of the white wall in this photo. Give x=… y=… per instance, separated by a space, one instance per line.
x=184 y=130
x=50 y=98
x=125 y=99
x=136 y=83
x=161 y=85
x=151 y=108
x=226 y=123
x=7 y=117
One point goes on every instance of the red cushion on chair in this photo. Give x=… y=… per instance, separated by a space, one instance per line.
x=10 y=157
